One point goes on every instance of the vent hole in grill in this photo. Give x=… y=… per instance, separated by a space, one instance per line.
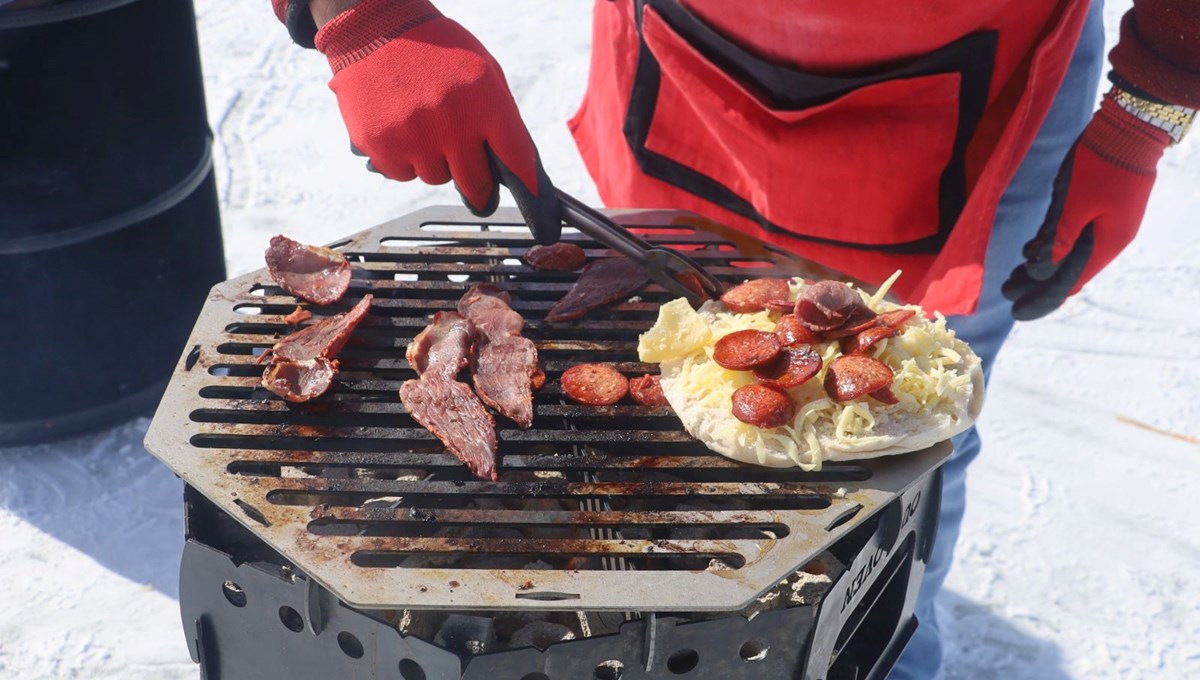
x=535 y=676
x=234 y=593
x=350 y=645
x=754 y=650
x=291 y=619
x=411 y=670
x=683 y=661
x=609 y=670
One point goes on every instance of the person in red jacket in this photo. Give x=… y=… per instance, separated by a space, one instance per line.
x=953 y=140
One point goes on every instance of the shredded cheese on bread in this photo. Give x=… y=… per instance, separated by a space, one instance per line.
x=938 y=382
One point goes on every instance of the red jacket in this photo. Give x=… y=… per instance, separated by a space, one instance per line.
x=867 y=135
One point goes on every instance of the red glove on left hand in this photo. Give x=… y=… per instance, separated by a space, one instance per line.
x=421 y=97
x=1100 y=196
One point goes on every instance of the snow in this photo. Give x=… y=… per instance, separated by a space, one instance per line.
x=1079 y=554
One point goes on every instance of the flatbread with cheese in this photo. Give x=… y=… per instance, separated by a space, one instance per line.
x=938 y=385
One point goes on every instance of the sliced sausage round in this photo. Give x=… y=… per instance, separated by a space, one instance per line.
x=744 y=350
x=885 y=395
x=647 y=390
x=864 y=341
x=852 y=376
x=897 y=317
x=792 y=368
x=762 y=406
x=756 y=295
x=558 y=257
x=594 y=384
x=791 y=332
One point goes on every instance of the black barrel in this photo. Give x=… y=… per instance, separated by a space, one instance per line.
x=110 y=236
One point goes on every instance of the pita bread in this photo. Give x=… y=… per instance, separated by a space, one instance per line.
x=939 y=382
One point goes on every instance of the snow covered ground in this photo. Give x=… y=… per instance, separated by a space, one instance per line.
x=1080 y=557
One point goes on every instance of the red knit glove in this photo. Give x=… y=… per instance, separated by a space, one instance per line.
x=1099 y=198
x=421 y=97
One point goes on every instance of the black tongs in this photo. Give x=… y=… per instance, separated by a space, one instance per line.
x=673 y=271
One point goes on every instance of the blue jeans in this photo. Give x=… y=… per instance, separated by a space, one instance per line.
x=1018 y=217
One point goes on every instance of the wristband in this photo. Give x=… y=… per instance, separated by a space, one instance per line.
x=1173 y=119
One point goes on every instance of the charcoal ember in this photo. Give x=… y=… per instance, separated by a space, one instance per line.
x=466 y=635
x=540 y=634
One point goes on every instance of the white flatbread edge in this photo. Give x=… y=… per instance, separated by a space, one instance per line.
x=904 y=433
x=912 y=433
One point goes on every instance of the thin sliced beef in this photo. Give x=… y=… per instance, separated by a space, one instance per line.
x=602 y=282
x=324 y=338
x=489 y=311
x=300 y=381
x=452 y=412
x=301 y=365
x=504 y=365
x=827 y=305
x=504 y=371
x=444 y=347
x=317 y=274
x=558 y=257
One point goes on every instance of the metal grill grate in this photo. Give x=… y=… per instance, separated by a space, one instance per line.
x=596 y=508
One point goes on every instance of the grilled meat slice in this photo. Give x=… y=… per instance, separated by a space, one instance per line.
x=317 y=274
x=300 y=381
x=504 y=364
x=444 y=347
x=490 y=312
x=452 y=412
x=324 y=338
x=602 y=282
x=503 y=371
x=301 y=365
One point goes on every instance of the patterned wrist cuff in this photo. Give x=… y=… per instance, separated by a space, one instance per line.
x=369 y=25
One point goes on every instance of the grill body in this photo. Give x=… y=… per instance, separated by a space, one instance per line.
x=250 y=614
x=331 y=516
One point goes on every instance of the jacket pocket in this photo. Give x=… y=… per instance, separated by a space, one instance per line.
x=872 y=162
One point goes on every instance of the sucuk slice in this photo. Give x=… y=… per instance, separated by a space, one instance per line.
x=319 y=275
x=537 y=380
x=756 y=295
x=897 y=317
x=594 y=384
x=864 y=341
x=647 y=390
x=885 y=395
x=452 y=412
x=791 y=332
x=747 y=349
x=300 y=381
x=692 y=281
x=602 y=282
x=558 y=257
x=762 y=406
x=852 y=376
x=793 y=367
x=324 y=338
x=860 y=319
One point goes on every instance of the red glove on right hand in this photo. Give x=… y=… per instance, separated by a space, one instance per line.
x=421 y=97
